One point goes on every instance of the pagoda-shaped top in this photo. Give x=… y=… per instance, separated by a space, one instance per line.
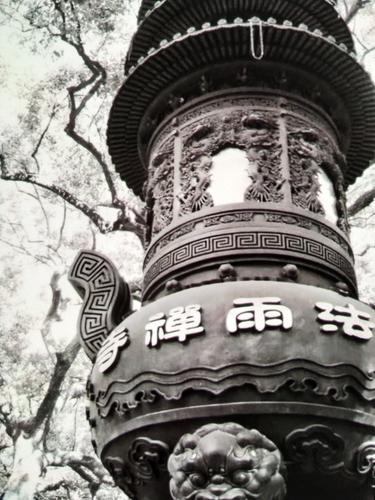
x=148 y=6
x=177 y=38
x=163 y=19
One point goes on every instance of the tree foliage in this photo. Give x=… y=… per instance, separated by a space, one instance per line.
x=59 y=193
x=84 y=30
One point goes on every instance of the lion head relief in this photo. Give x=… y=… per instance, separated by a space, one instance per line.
x=226 y=462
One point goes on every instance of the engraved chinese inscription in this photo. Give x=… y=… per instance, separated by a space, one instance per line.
x=108 y=354
x=181 y=323
x=354 y=323
x=257 y=314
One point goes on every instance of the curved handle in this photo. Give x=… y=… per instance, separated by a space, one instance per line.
x=106 y=298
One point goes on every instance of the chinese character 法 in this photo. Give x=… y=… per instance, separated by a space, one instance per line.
x=182 y=322
x=110 y=348
x=258 y=314
x=354 y=323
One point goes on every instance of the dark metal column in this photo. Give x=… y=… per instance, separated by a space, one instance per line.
x=249 y=370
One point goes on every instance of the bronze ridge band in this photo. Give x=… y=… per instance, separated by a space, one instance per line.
x=244 y=407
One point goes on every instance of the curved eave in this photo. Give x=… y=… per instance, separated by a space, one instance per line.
x=156 y=17
x=283 y=44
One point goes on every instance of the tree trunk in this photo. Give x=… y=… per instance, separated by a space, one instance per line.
x=27 y=469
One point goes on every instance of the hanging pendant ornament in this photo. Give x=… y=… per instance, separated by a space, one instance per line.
x=256 y=22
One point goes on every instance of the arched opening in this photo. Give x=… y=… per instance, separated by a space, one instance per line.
x=327 y=196
x=229 y=176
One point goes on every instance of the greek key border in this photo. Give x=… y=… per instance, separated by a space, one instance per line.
x=96 y=279
x=247 y=215
x=254 y=240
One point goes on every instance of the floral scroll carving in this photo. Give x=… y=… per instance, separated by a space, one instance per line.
x=224 y=462
x=317 y=444
x=237 y=77
x=309 y=152
x=320 y=446
x=147 y=459
x=257 y=132
x=366 y=460
x=265 y=176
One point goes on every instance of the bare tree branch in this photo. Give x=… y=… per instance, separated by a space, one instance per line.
x=62 y=20
x=52 y=314
x=64 y=361
x=17 y=247
x=47 y=260
x=367 y=52
x=123 y=223
x=62 y=227
x=365 y=250
x=92 y=85
x=68 y=29
x=361 y=202
x=43 y=210
x=25 y=192
x=53 y=487
x=355 y=8
x=42 y=135
x=5 y=414
x=87 y=467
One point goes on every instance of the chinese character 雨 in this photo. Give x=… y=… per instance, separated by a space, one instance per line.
x=182 y=322
x=258 y=314
x=354 y=323
x=110 y=348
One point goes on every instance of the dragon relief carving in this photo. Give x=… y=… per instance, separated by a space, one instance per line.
x=310 y=152
x=254 y=132
x=304 y=161
x=159 y=190
x=226 y=462
x=342 y=222
x=264 y=171
x=195 y=196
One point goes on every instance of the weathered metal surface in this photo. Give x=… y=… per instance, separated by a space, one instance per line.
x=218 y=336
x=240 y=124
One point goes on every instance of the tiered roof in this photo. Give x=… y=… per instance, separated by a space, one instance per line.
x=160 y=20
x=177 y=37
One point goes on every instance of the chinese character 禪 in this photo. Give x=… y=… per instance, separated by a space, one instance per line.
x=155 y=329
x=182 y=322
x=258 y=314
x=110 y=348
x=354 y=323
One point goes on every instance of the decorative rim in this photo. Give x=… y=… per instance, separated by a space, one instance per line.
x=334 y=380
x=156 y=13
x=186 y=226
x=198 y=49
